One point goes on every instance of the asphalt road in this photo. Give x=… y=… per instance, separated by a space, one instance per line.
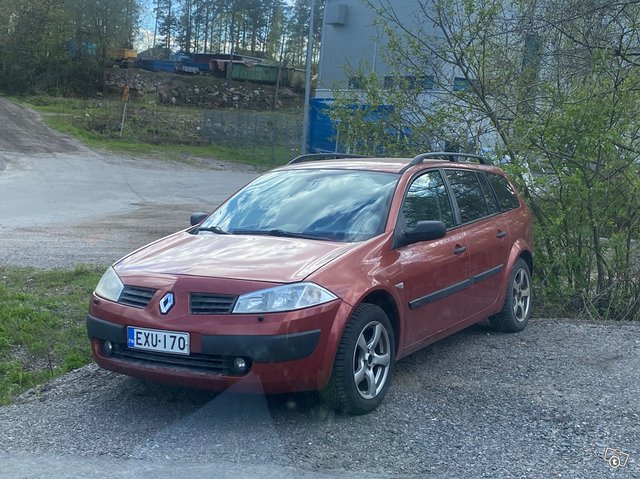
x=552 y=401
x=62 y=203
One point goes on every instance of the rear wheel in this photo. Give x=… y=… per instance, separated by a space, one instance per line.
x=364 y=362
x=517 y=304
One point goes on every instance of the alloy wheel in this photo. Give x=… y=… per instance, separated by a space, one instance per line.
x=371 y=359
x=521 y=295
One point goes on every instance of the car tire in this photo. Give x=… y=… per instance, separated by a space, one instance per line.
x=364 y=362
x=516 y=311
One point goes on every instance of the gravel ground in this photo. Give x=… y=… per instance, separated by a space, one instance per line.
x=543 y=403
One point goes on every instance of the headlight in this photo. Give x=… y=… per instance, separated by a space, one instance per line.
x=283 y=298
x=109 y=287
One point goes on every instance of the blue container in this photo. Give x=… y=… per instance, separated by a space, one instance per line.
x=164 y=66
x=157 y=65
x=323 y=135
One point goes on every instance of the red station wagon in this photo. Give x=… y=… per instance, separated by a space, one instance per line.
x=320 y=275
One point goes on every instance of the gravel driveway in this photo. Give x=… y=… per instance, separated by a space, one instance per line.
x=544 y=403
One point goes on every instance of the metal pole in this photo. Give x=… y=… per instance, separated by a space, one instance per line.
x=125 y=100
x=307 y=82
x=124 y=112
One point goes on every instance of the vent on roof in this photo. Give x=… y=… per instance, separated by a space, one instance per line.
x=337 y=14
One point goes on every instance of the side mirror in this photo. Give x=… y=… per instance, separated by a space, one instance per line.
x=425 y=231
x=197 y=218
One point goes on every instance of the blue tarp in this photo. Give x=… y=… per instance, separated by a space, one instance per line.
x=324 y=134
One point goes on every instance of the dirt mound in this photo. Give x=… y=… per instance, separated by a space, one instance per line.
x=24 y=133
x=202 y=91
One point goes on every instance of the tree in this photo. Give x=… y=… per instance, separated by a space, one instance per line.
x=550 y=86
x=111 y=24
x=274 y=28
x=61 y=45
x=298 y=30
x=34 y=36
x=166 y=21
x=251 y=27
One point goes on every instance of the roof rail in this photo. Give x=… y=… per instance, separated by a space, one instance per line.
x=448 y=155
x=322 y=156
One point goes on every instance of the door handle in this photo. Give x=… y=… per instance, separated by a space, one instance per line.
x=459 y=249
x=501 y=234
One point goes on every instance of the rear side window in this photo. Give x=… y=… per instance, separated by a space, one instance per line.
x=469 y=195
x=492 y=202
x=507 y=198
x=427 y=200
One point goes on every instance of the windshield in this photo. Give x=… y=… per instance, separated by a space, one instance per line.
x=336 y=205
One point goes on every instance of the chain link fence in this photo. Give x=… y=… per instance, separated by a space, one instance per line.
x=272 y=138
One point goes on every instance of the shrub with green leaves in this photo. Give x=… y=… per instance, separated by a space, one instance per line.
x=551 y=91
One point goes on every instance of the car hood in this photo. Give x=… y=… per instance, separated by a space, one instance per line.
x=256 y=258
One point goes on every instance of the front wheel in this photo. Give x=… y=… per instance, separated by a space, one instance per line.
x=364 y=362
x=517 y=304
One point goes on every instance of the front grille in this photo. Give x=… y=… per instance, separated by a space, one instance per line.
x=219 y=365
x=135 y=296
x=207 y=303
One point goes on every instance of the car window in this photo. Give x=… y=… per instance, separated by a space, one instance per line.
x=468 y=194
x=504 y=192
x=337 y=205
x=490 y=198
x=427 y=199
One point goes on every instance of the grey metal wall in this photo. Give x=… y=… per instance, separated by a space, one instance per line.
x=357 y=43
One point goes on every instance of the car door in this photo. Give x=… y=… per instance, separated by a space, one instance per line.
x=487 y=237
x=433 y=272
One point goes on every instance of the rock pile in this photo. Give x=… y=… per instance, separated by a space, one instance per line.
x=201 y=91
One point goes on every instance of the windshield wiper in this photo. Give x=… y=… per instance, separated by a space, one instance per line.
x=280 y=233
x=214 y=229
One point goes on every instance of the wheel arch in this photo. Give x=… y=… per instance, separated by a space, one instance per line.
x=520 y=249
x=528 y=258
x=385 y=301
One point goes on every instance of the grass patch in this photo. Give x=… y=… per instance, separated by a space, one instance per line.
x=166 y=132
x=262 y=157
x=42 y=325
x=52 y=105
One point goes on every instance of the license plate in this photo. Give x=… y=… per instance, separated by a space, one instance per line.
x=158 y=340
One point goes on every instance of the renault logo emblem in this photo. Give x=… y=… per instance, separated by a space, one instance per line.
x=166 y=303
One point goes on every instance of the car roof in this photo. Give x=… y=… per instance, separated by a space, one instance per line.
x=390 y=165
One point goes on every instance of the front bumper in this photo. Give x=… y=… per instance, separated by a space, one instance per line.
x=260 y=349
x=291 y=353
